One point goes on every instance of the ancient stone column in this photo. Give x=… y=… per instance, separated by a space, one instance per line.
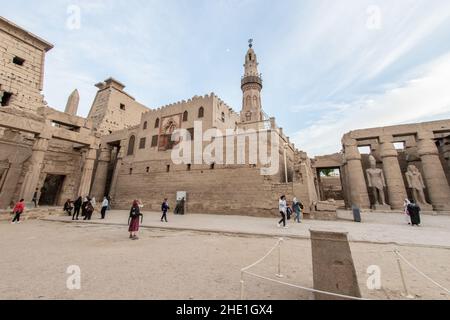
x=392 y=173
x=101 y=174
x=447 y=152
x=120 y=155
x=356 y=181
x=86 y=175
x=434 y=175
x=10 y=178
x=36 y=162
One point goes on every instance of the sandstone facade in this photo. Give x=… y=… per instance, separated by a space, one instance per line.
x=125 y=150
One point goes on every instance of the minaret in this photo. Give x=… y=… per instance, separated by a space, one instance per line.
x=251 y=85
x=72 y=103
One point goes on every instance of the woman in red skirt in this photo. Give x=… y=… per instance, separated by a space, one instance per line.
x=133 y=220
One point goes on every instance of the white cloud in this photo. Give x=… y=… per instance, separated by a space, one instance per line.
x=426 y=97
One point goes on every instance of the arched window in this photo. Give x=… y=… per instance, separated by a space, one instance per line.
x=223 y=117
x=201 y=112
x=157 y=123
x=145 y=125
x=185 y=116
x=248 y=101
x=255 y=101
x=131 y=144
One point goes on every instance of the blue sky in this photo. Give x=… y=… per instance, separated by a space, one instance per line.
x=328 y=66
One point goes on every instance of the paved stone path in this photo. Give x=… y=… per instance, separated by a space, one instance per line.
x=387 y=228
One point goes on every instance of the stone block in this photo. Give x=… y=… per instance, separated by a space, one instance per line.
x=333 y=267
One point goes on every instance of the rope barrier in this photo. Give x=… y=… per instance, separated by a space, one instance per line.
x=304 y=288
x=263 y=258
x=278 y=245
x=420 y=272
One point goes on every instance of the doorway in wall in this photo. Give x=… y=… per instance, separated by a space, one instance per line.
x=51 y=191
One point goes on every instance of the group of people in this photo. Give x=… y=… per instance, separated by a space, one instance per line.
x=412 y=213
x=287 y=210
x=86 y=206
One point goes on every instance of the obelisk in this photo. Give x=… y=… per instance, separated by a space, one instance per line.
x=72 y=103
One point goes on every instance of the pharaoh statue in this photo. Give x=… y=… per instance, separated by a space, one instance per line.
x=416 y=184
x=375 y=178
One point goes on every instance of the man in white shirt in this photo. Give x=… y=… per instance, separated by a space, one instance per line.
x=105 y=205
x=283 y=211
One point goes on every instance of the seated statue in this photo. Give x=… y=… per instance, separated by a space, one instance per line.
x=375 y=178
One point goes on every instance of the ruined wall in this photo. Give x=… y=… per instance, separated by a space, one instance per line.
x=25 y=81
x=113 y=109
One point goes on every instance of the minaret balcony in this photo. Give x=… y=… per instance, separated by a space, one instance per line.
x=251 y=80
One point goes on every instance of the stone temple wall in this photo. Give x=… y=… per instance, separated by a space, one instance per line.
x=222 y=190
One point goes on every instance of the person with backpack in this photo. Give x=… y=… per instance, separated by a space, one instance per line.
x=68 y=207
x=164 y=208
x=297 y=207
x=89 y=209
x=133 y=220
x=18 y=210
x=288 y=211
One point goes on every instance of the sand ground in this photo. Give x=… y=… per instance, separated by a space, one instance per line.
x=187 y=264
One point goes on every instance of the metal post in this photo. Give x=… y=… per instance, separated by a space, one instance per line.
x=406 y=294
x=279 y=275
x=242 y=285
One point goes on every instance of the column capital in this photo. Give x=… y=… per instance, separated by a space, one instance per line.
x=105 y=154
x=387 y=148
x=40 y=144
x=427 y=146
x=386 y=139
x=351 y=151
x=91 y=154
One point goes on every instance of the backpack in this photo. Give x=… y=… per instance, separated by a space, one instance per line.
x=289 y=213
x=134 y=212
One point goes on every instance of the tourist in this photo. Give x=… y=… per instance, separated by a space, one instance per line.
x=83 y=207
x=68 y=207
x=297 y=207
x=406 y=212
x=35 y=197
x=77 y=206
x=288 y=211
x=283 y=211
x=414 y=213
x=164 y=208
x=133 y=220
x=109 y=202
x=105 y=206
x=89 y=209
x=18 y=210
